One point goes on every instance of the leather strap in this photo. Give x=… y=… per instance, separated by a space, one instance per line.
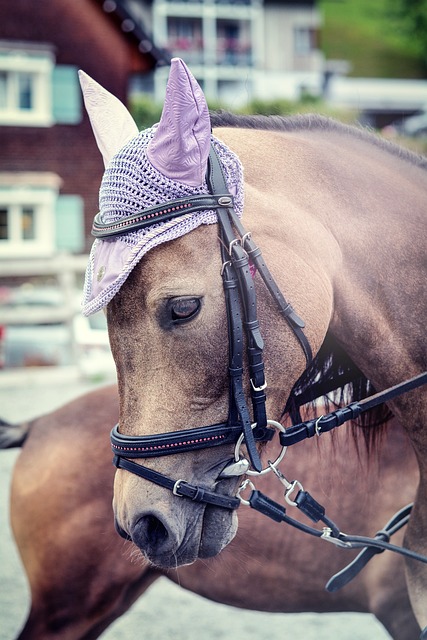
x=160 y=213
x=288 y=312
x=331 y=532
x=164 y=444
x=179 y=487
x=236 y=263
x=343 y=577
x=325 y=423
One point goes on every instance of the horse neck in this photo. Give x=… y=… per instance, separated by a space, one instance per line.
x=340 y=219
x=379 y=288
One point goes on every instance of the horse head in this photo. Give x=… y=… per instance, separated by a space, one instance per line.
x=168 y=318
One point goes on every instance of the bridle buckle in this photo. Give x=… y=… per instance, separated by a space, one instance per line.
x=261 y=388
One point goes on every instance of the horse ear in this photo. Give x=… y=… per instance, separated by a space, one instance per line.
x=180 y=146
x=111 y=122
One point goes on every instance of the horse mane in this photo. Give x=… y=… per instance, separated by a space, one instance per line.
x=314 y=122
x=333 y=380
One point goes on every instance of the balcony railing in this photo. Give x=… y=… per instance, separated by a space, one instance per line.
x=234 y=2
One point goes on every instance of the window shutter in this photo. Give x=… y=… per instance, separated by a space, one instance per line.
x=70 y=223
x=66 y=95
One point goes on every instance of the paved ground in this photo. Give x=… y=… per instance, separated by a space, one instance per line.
x=166 y=611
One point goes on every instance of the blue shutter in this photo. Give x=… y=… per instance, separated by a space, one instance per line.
x=66 y=95
x=70 y=224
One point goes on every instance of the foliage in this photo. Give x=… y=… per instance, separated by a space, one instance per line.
x=145 y=111
x=411 y=21
x=372 y=36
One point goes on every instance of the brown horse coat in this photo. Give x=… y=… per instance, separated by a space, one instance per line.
x=83 y=576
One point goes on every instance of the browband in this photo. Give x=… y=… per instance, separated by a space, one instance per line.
x=161 y=213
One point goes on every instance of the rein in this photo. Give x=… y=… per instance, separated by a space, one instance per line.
x=239 y=253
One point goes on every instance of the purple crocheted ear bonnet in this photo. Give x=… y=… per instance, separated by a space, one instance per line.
x=160 y=164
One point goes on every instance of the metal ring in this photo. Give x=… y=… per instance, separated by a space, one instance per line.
x=274 y=464
x=246 y=483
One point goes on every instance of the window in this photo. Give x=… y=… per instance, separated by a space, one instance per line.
x=185 y=38
x=304 y=40
x=17 y=223
x=25 y=86
x=27 y=214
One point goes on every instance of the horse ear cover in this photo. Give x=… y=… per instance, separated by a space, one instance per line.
x=160 y=164
x=112 y=124
x=180 y=147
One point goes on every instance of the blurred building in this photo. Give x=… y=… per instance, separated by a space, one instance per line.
x=237 y=49
x=50 y=167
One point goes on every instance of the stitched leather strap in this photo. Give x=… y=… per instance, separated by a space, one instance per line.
x=160 y=213
x=236 y=263
x=164 y=444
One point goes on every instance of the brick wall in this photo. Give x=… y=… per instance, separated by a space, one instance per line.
x=81 y=34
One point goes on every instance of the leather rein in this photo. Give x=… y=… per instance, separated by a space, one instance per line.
x=239 y=255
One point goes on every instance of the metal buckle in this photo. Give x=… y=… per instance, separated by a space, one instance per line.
x=261 y=388
x=247 y=236
x=231 y=245
x=318 y=427
x=175 y=488
x=225 y=264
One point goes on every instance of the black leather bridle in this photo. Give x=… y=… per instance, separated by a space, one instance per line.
x=239 y=252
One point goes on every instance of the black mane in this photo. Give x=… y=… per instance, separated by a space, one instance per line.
x=332 y=380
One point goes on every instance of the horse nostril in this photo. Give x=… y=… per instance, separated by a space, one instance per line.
x=152 y=536
x=156 y=531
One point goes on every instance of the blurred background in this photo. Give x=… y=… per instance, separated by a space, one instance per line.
x=357 y=60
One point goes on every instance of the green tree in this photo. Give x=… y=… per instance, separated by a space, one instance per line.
x=410 y=17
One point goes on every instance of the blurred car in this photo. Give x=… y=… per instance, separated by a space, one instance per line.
x=39 y=327
x=414 y=126
x=92 y=344
x=33 y=328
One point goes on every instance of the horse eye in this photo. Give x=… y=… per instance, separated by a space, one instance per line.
x=184 y=309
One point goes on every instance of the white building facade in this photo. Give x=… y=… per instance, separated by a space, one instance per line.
x=238 y=49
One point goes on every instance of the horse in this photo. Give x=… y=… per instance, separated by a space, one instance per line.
x=340 y=217
x=83 y=576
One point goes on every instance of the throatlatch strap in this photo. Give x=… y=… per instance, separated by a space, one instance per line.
x=288 y=312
